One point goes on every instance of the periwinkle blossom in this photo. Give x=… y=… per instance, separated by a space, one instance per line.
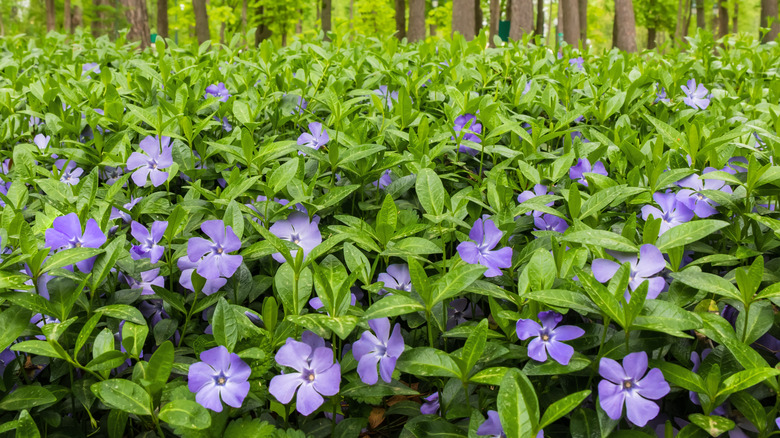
x=315 y=138
x=185 y=280
x=527 y=88
x=148 y=279
x=259 y=206
x=148 y=239
x=578 y=63
x=583 y=166
x=217 y=90
x=397 y=277
x=388 y=98
x=221 y=376
x=672 y=212
x=66 y=233
x=119 y=214
x=650 y=263
x=7 y=356
x=380 y=347
x=539 y=190
x=549 y=222
x=317 y=375
x=213 y=256
x=91 y=67
x=298 y=229
x=153 y=310
x=384 y=180
x=696 y=96
x=431 y=404
x=661 y=96
x=697 y=360
x=69 y=173
x=41 y=320
x=461 y=310
x=468 y=125
x=158 y=156
x=548 y=337
x=42 y=141
x=700 y=204
x=736 y=165
x=316 y=302
x=485 y=236
x=628 y=384
x=492 y=426
x=226 y=126
x=112 y=174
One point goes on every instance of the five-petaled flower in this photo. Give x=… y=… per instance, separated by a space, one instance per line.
x=69 y=173
x=148 y=240
x=382 y=348
x=187 y=268
x=467 y=123
x=149 y=278
x=397 y=277
x=119 y=214
x=299 y=230
x=548 y=337
x=485 y=236
x=217 y=90
x=548 y=222
x=216 y=262
x=628 y=384
x=66 y=232
x=317 y=375
x=539 y=190
x=42 y=141
x=220 y=377
x=672 y=212
x=315 y=138
x=158 y=156
x=578 y=171
x=431 y=404
x=650 y=262
x=691 y=198
x=696 y=96
x=492 y=426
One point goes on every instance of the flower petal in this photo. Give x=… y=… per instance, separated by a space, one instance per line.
x=283 y=386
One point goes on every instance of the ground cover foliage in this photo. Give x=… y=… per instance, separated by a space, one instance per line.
x=364 y=237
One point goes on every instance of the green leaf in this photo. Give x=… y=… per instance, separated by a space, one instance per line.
x=663 y=316
x=430 y=191
x=552 y=368
x=425 y=361
x=40 y=348
x=342 y=326
x=454 y=282
x=134 y=337
x=518 y=406
x=379 y=389
x=69 y=257
x=123 y=312
x=224 y=325
x=709 y=283
x=26 y=427
x=541 y=270
x=13 y=322
x=392 y=305
x=292 y=302
x=123 y=394
x=107 y=361
x=27 y=397
x=560 y=298
x=713 y=424
x=603 y=239
x=686 y=233
x=605 y=197
x=283 y=175
x=490 y=376
x=160 y=365
x=386 y=220
x=680 y=376
x=562 y=407
x=473 y=348
x=186 y=414
x=601 y=297
x=744 y=380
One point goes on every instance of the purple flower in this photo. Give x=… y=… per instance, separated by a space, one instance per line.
x=485 y=236
x=578 y=134
x=149 y=278
x=696 y=359
x=700 y=204
x=548 y=337
x=69 y=173
x=548 y=222
x=695 y=96
x=672 y=212
x=42 y=141
x=185 y=280
x=651 y=262
x=112 y=174
x=383 y=349
x=316 y=302
x=149 y=240
x=539 y=190
x=492 y=426
x=760 y=143
x=216 y=262
x=91 y=67
x=119 y=214
x=220 y=377
x=219 y=91
x=578 y=63
x=300 y=106
x=460 y=311
x=431 y=404
x=149 y=165
x=66 y=232
x=527 y=88
x=299 y=230
x=6 y=357
x=583 y=166
x=318 y=137
x=317 y=375
x=736 y=165
x=467 y=123
x=397 y=277
x=661 y=96
x=383 y=180
x=154 y=310
x=226 y=126
x=388 y=98
x=626 y=384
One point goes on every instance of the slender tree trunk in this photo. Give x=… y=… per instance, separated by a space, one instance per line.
x=327 y=7
x=689 y=14
x=416 y=20
x=624 y=26
x=550 y=24
x=539 y=18
x=723 y=18
x=201 y=21
x=76 y=20
x=477 y=16
x=735 y=27
x=162 y=18
x=571 y=21
x=522 y=19
x=463 y=18
x=262 y=32
x=244 y=13
x=769 y=13
x=678 y=31
x=700 y=22
x=583 y=8
x=299 y=24
x=651 y=43
x=222 y=33
x=51 y=16
x=98 y=25
x=400 y=19
x=495 y=16
x=137 y=16
x=67 y=18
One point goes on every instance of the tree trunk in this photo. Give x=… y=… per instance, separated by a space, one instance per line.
x=571 y=21
x=539 y=18
x=262 y=32
x=201 y=21
x=679 y=23
x=51 y=16
x=67 y=18
x=689 y=13
x=463 y=18
x=477 y=16
x=735 y=27
x=76 y=20
x=137 y=16
x=327 y=7
x=700 y=23
x=400 y=19
x=522 y=19
x=98 y=25
x=416 y=20
x=624 y=26
x=495 y=16
x=723 y=18
x=583 y=8
x=222 y=33
x=769 y=11
x=651 y=38
x=162 y=18
x=550 y=24
x=299 y=24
